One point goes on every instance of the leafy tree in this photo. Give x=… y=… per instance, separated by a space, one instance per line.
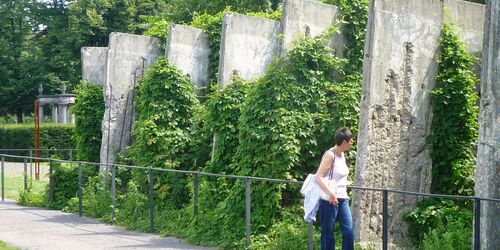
x=183 y=11
x=21 y=59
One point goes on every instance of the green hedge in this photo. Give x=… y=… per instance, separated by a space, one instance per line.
x=21 y=136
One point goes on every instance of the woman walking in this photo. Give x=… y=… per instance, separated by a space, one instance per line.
x=334 y=205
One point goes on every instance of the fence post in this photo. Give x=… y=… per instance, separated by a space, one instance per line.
x=195 y=197
x=80 y=207
x=477 y=224
x=310 y=236
x=3 y=180
x=31 y=163
x=71 y=154
x=113 y=194
x=247 y=212
x=385 y=220
x=51 y=181
x=25 y=175
x=151 y=202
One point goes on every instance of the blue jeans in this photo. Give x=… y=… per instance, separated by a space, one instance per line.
x=329 y=214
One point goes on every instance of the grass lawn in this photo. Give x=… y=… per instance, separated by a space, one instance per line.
x=14 y=185
x=4 y=246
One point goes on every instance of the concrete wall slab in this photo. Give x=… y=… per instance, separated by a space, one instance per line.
x=94 y=64
x=248 y=45
x=399 y=71
x=188 y=49
x=128 y=58
x=310 y=19
x=487 y=178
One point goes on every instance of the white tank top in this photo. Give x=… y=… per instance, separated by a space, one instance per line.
x=338 y=174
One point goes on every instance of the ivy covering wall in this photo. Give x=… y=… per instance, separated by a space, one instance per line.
x=89 y=112
x=452 y=144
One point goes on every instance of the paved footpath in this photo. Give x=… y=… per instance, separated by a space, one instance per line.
x=37 y=228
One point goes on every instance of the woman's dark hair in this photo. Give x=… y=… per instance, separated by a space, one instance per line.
x=341 y=135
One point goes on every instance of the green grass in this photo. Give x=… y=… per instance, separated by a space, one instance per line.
x=14 y=185
x=4 y=246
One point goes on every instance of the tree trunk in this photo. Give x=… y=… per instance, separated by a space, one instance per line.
x=19 y=114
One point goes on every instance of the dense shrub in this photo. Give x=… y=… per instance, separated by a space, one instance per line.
x=163 y=135
x=431 y=213
x=65 y=179
x=52 y=136
x=455 y=235
x=96 y=199
x=89 y=111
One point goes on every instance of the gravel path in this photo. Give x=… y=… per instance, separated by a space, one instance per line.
x=36 y=228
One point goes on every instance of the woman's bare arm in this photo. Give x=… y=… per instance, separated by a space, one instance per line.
x=324 y=166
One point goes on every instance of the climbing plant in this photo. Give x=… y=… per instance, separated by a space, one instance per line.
x=283 y=128
x=89 y=111
x=166 y=105
x=355 y=16
x=212 y=24
x=223 y=111
x=454 y=124
x=451 y=141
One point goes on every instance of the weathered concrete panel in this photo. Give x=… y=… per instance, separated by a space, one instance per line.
x=488 y=154
x=94 y=64
x=469 y=18
x=399 y=70
x=310 y=19
x=189 y=50
x=248 y=45
x=128 y=58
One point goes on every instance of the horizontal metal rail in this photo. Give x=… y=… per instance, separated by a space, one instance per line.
x=40 y=149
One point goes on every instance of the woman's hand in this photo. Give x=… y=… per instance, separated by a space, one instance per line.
x=333 y=199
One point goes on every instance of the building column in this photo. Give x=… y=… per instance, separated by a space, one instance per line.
x=55 y=113
x=41 y=116
x=63 y=113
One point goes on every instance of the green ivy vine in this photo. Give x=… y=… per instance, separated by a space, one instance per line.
x=452 y=142
x=89 y=111
x=454 y=126
x=166 y=108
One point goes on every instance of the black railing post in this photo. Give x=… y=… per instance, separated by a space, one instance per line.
x=113 y=194
x=80 y=198
x=3 y=180
x=25 y=174
x=310 y=236
x=477 y=224
x=151 y=202
x=385 y=220
x=247 y=211
x=195 y=197
x=51 y=180
x=31 y=163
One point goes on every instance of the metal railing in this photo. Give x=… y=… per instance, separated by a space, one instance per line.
x=247 y=179
x=31 y=151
